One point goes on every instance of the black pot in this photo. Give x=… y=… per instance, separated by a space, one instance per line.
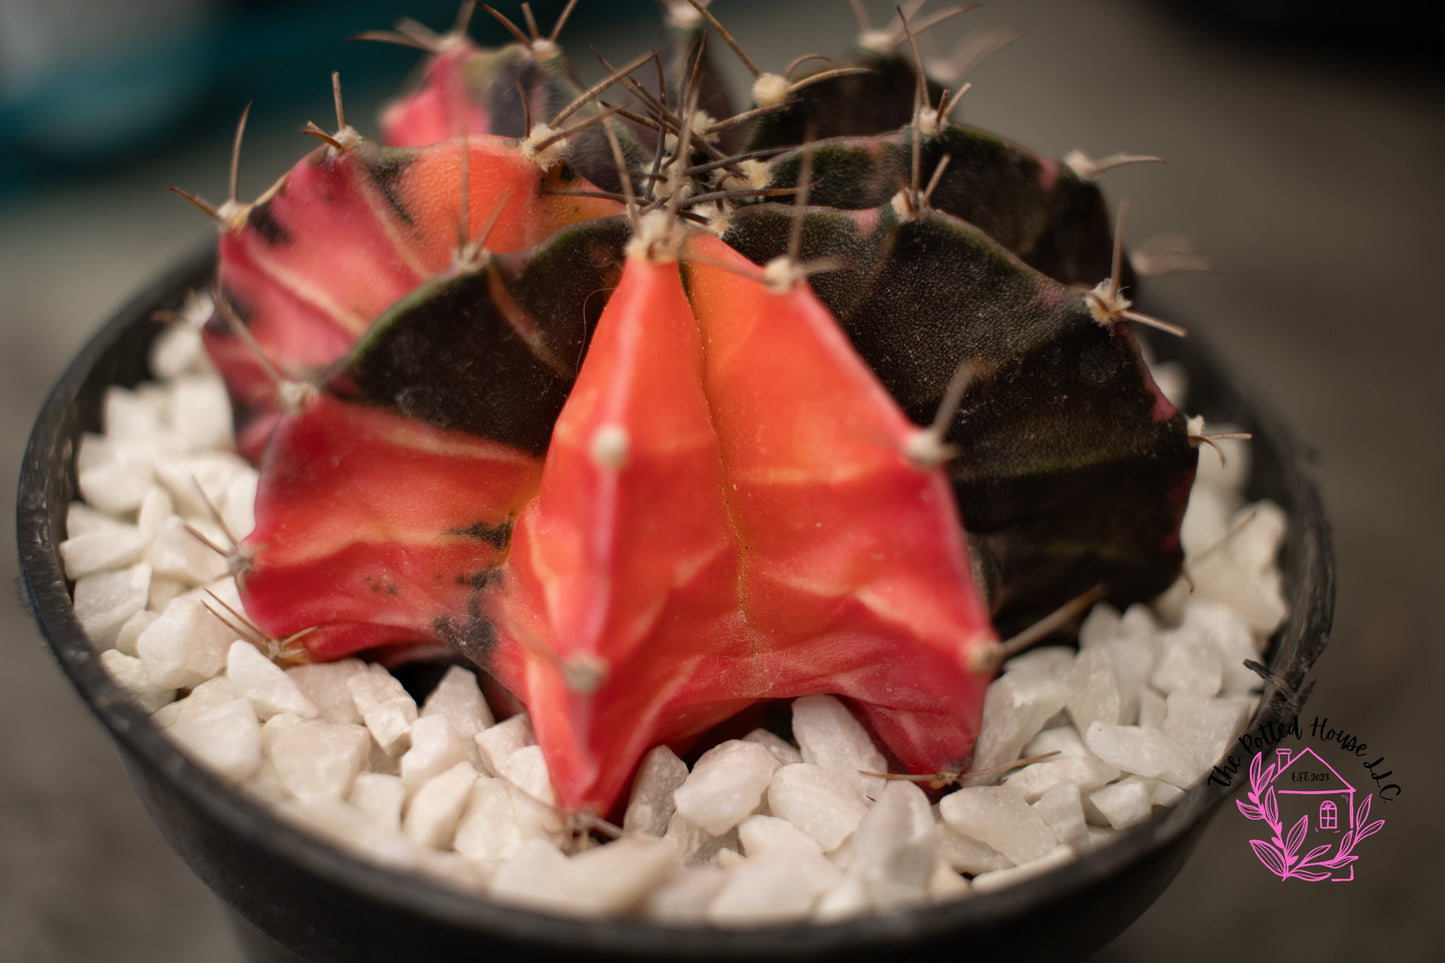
x=324 y=905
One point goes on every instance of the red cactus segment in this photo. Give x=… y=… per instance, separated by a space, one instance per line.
x=347 y=234
x=620 y=604
x=442 y=104
x=726 y=517
x=369 y=526
x=503 y=183
x=855 y=570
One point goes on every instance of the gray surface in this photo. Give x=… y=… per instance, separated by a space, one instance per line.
x=1312 y=181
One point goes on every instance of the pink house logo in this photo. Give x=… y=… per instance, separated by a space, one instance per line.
x=1301 y=790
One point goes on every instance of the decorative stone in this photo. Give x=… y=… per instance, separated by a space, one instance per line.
x=650 y=807
x=1000 y=817
x=820 y=802
x=319 y=759
x=266 y=684
x=386 y=708
x=225 y=738
x=726 y=784
x=432 y=816
x=829 y=735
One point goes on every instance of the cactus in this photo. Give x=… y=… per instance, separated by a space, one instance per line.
x=655 y=411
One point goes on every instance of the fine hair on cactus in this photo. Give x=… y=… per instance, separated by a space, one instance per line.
x=654 y=408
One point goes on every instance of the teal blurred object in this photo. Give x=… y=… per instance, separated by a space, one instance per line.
x=87 y=109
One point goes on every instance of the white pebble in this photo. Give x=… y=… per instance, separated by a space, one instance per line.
x=488 y=830
x=114 y=478
x=1242 y=573
x=829 y=735
x=1099 y=627
x=850 y=896
x=386 y=708
x=695 y=845
x=274 y=726
x=1204 y=727
x=131 y=675
x=131 y=417
x=1206 y=521
x=176 y=553
x=186 y=645
x=1082 y=769
x=432 y=816
x=200 y=414
x=225 y=738
x=264 y=784
x=1259 y=530
x=1187 y=664
x=154 y=509
x=650 y=807
x=1093 y=688
x=1124 y=803
x=615 y=879
x=1002 y=878
x=1133 y=655
x=1062 y=740
x=238 y=506
x=435 y=748
x=533 y=797
x=945 y=883
x=1151 y=709
x=164 y=591
x=683 y=898
x=198 y=701
x=1050 y=661
x=105 y=600
x=820 y=802
x=1225 y=470
x=130 y=632
x=895 y=842
x=1000 y=817
x=187 y=475
x=1062 y=808
x=349 y=828
x=81 y=519
x=327 y=686
x=772 y=888
x=496 y=743
x=265 y=683
x=784 y=751
x=102 y=551
x=1219 y=625
x=726 y=784
x=1163 y=794
x=458 y=697
x=1014 y=711
x=762 y=834
x=530 y=877
x=177 y=349
x=1145 y=752
x=319 y=759
x=964 y=854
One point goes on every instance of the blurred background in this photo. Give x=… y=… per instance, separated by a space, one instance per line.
x=1305 y=146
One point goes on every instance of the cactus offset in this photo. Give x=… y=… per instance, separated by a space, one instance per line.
x=652 y=451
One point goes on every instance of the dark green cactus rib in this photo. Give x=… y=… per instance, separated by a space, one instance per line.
x=493 y=351
x=1038 y=209
x=850 y=105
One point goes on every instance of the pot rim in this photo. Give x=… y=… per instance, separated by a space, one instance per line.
x=47 y=592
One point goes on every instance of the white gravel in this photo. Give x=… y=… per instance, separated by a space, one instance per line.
x=760 y=830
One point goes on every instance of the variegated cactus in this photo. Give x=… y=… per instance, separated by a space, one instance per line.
x=654 y=410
